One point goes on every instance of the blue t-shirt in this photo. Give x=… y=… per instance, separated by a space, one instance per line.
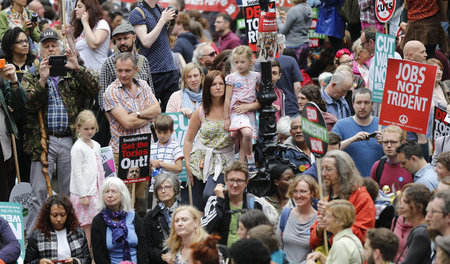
x=365 y=153
x=158 y=55
x=115 y=249
x=290 y=73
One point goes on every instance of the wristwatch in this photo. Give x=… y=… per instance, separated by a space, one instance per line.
x=138 y=114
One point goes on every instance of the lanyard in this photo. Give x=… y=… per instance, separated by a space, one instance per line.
x=164 y=155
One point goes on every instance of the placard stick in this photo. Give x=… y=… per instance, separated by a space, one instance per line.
x=191 y=202
x=319 y=177
x=16 y=162
x=133 y=194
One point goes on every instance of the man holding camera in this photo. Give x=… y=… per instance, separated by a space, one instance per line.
x=153 y=25
x=56 y=100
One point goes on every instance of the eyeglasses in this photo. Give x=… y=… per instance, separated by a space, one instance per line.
x=237 y=181
x=296 y=127
x=21 y=42
x=435 y=212
x=387 y=142
x=362 y=43
x=212 y=54
x=164 y=188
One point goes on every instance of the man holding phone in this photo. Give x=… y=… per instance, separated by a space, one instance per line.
x=359 y=132
x=60 y=99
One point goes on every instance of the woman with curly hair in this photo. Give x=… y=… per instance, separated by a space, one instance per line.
x=89 y=34
x=57 y=236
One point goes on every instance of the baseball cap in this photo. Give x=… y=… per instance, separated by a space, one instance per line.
x=48 y=34
x=123 y=28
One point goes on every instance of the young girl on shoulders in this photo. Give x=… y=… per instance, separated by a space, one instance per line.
x=241 y=104
x=87 y=172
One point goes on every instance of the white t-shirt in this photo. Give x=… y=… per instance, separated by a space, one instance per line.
x=63 y=245
x=94 y=59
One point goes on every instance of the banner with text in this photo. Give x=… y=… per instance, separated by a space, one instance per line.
x=384 y=49
x=267 y=41
x=313 y=36
x=134 y=151
x=407 y=95
x=252 y=13
x=12 y=212
x=180 y=127
x=440 y=125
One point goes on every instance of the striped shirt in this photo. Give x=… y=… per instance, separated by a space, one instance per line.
x=168 y=153
x=117 y=96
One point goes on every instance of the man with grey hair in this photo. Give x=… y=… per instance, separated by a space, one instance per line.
x=130 y=106
x=59 y=100
x=358 y=133
x=334 y=93
x=37 y=7
x=204 y=55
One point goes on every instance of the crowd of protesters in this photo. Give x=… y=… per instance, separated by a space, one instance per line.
x=112 y=69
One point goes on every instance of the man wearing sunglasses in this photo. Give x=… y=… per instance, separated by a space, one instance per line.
x=204 y=55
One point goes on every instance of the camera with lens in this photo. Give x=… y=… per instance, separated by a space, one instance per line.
x=34 y=17
x=172 y=22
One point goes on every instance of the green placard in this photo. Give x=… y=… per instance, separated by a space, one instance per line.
x=240 y=23
x=12 y=212
x=315 y=12
x=315 y=130
x=384 y=49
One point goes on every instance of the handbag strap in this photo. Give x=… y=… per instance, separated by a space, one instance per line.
x=360 y=252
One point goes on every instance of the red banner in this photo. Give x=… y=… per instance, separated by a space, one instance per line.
x=134 y=153
x=407 y=95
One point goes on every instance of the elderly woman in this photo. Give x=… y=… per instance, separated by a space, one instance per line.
x=281 y=176
x=347 y=248
x=213 y=149
x=343 y=181
x=413 y=205
x=57 y=237
x=117 y=233
x=294 y=225
x=186 y=229
x=157 y=221
x=189 y=97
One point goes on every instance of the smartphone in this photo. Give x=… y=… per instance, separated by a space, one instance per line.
x=34 y=18
x=2 y=63
x=373 y=134
x=57 y=64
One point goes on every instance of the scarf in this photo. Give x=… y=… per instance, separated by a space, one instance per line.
x=167 y=212
x=188 y=96
x=119 y=229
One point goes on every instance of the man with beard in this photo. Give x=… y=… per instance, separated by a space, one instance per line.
x=297 y=151
x=204 y=55
x=124 y=38
x=438 y=216
x=387 y=170
x=381 y=246
x=358 y=132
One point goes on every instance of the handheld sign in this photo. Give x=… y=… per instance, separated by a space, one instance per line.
x=384 y=10
x=384 y=49
x=108 y=161
x=315 y=129
x=134 y=158
x=407 y=95
x=440 y=124
x=12 y=213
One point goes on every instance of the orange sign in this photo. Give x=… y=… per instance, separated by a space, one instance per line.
x=407 y=96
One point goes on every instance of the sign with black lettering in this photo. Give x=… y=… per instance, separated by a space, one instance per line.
x=134 y=152
x=440 y=125
x=384 y=10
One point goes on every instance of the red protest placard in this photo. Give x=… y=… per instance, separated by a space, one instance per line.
x=408 y=91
